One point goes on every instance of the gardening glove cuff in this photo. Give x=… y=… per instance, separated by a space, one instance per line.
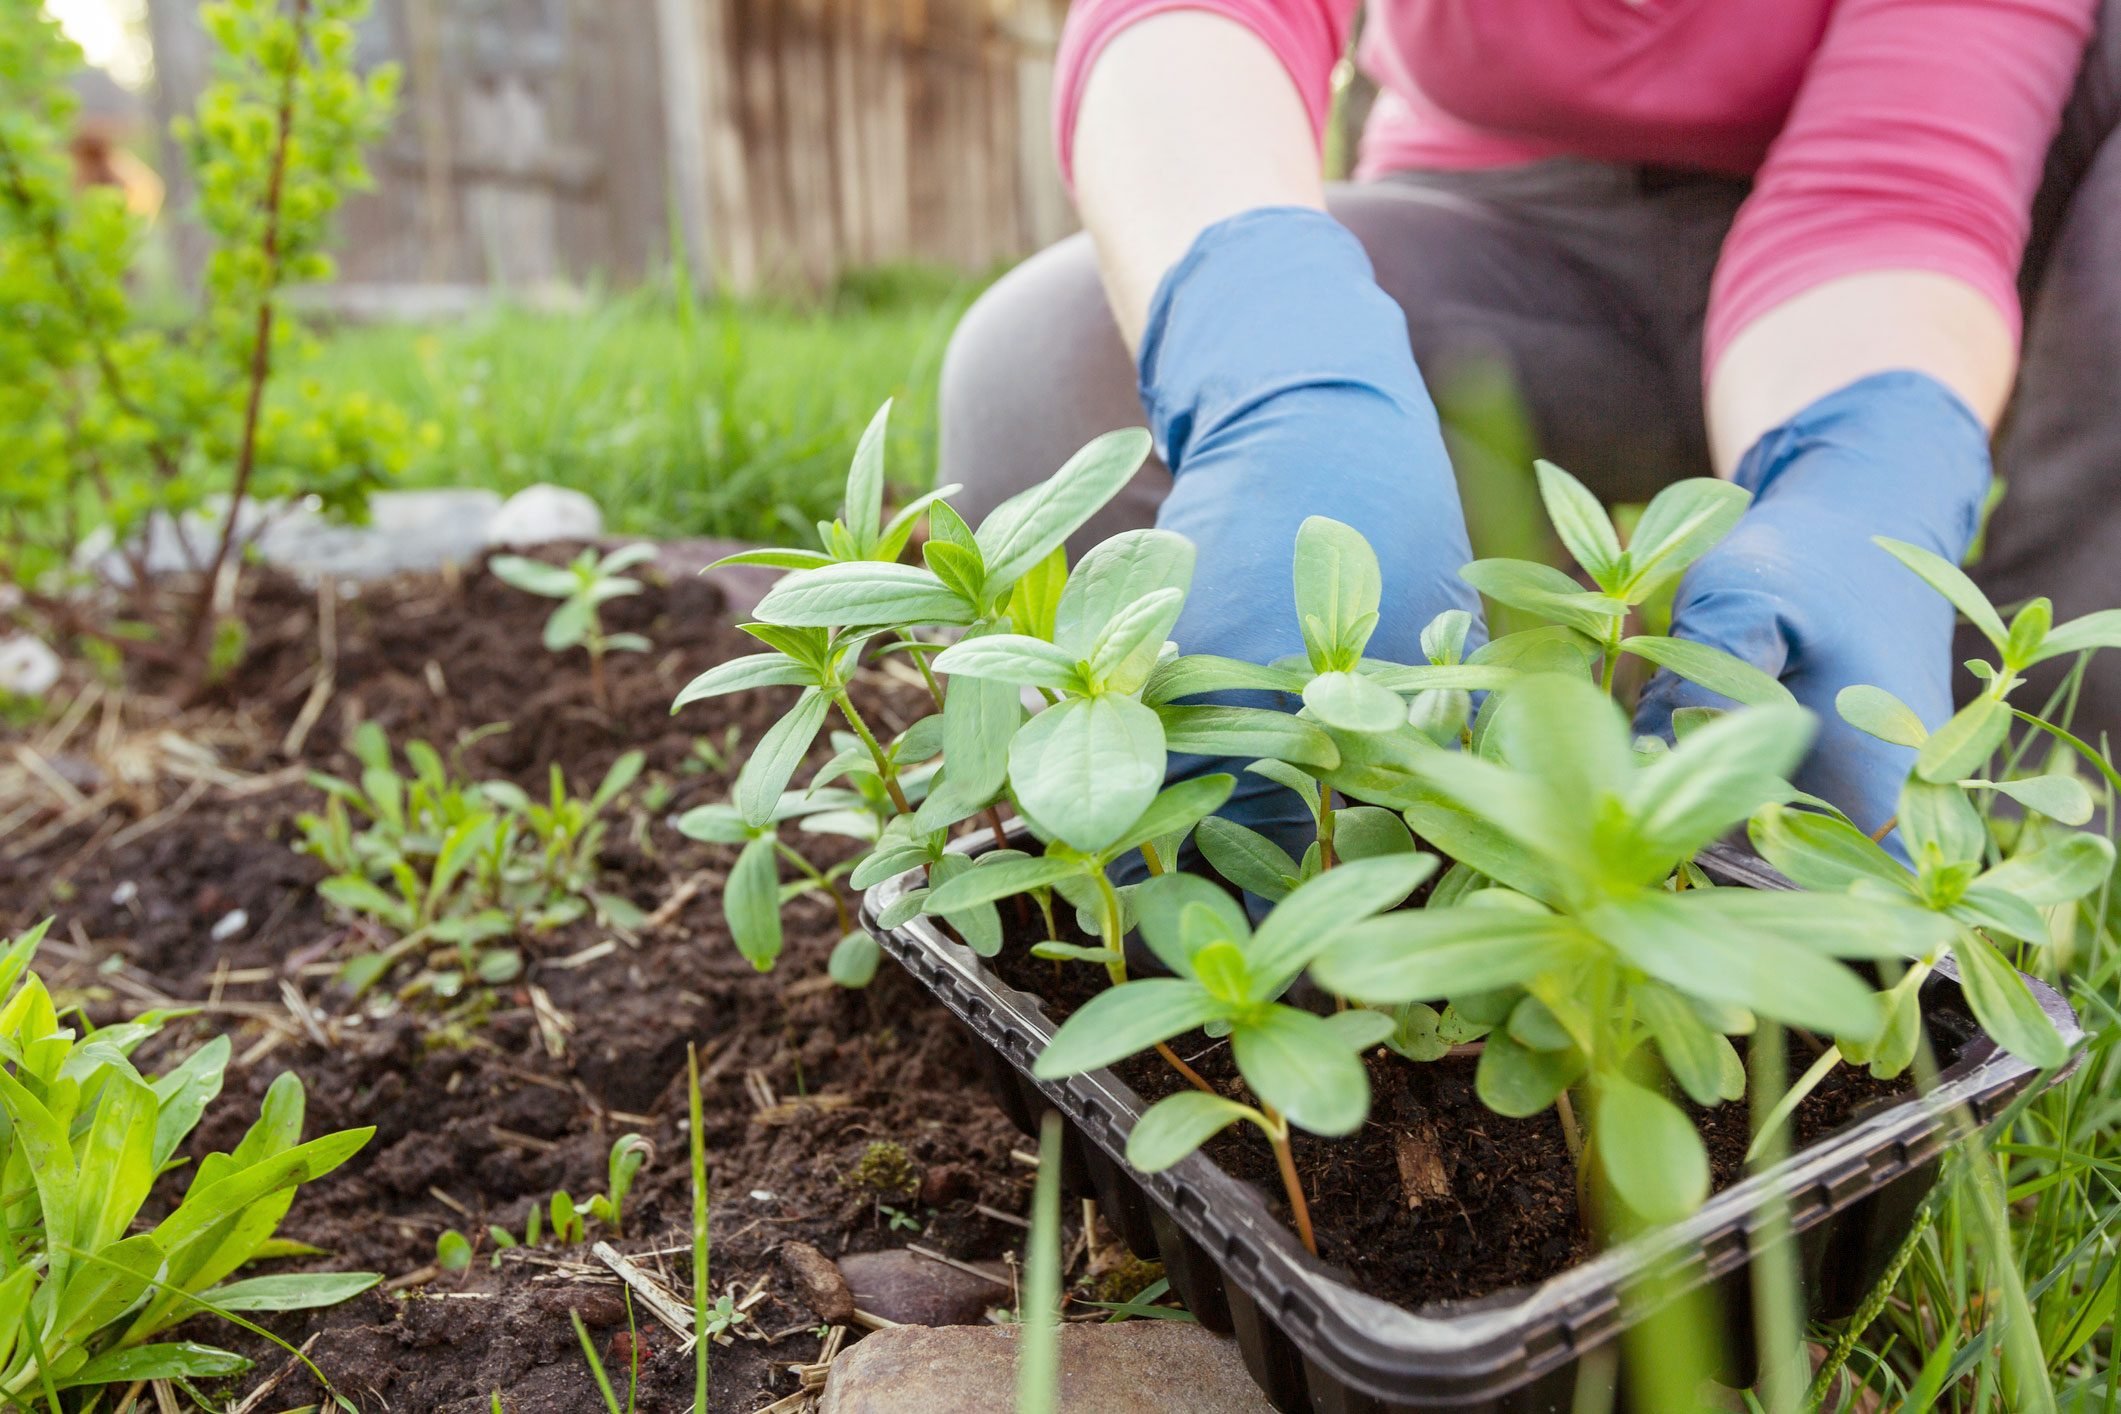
x=1800 y=589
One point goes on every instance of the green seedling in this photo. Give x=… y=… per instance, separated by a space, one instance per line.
x=1592 y=949
x=627 y=1155
x=1302 y=1068
x=1681 y=524
x=596 y=1362
x=583 y=586
x=94 y=1279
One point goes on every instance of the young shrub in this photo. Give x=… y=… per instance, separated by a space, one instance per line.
x=116 y=417
x=582 y=586
x=92 y=1281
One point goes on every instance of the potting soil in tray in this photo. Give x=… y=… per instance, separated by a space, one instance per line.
x=1436 y=1198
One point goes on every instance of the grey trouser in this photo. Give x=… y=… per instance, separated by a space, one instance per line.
x=1579 y=288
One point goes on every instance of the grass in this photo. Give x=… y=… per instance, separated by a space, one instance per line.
x=680 y=416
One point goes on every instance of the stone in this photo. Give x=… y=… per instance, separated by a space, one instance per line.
x=28 y=666
x=945 y=1184
x=541 y=514
x=1133 y=1367
x=818 y=1283
x=913 y=1290
x=406 y=531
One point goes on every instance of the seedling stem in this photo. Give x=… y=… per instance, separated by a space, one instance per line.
x=1299 y=1209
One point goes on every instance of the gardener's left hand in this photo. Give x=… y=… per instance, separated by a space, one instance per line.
x=1801 y=591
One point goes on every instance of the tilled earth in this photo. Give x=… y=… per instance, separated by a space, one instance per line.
x=476 y=1119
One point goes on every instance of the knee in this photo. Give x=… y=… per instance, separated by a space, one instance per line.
x=1032 y=365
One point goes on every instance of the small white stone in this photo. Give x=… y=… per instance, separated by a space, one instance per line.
x=28 y=666
x=231 y=923
x=761 y=1195
x=542 y=513
x=124 y=894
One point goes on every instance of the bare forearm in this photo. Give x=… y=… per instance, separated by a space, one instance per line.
x=1187 y=118
x=1846 y=329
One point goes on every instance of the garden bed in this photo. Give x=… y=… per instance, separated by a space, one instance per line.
x=476 y=1119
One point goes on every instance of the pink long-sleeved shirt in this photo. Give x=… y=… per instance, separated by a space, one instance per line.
x=1880 y=134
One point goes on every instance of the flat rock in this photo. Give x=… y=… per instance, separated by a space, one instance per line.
x=1134 y=1367
x=406 y=530
x=540 y=514
x=913 y=1290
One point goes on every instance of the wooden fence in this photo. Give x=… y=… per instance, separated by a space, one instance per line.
x=549 y=143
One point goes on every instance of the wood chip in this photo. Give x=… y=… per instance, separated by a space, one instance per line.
x=1421 y=1171
x=554 y=1025
x=661 y=1300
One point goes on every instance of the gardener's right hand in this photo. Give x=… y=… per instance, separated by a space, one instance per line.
x=1280 y=385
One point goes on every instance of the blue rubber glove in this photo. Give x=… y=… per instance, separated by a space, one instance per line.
x=1280 y=385
x=1800 y=591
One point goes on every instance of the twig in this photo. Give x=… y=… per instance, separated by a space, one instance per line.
x=667 y=1308
x=257 y=1396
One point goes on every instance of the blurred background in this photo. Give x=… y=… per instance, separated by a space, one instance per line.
x=670 y=252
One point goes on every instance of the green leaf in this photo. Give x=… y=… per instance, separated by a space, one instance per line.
x=862 y=592
x=1873 y=926
x=182 y=1095
x=2062 y=872
x=1300 y=1065
x=1351 y=702
x=569 y=624
x=1548 y=649
x=1699 y=1058
x=1680 y=525
x=1961 y=745
x=775 y=559
x=1939 y=823
x=1176 y=809
x=1820 y=852
x=1433 y=953
x=1247 y=733
x=1114 y=576
x=1034 y=604
x=1169 y=910
x=1127 y=648
x=1124 y=1019
x=1582 y=524
x=2093 y=631
x=2060 y=798
x=715 y=823
x=754 y=670
x=1327 y=909
x=1650 y=1151
x=1878 y=712
x=1950 y=581
x=1443 y=639
x=1712 y=668
x=779 y=752
x=1369 y=832
x=1084 y=771
x=751 y=903
x=298 y=1291
x=1050 y=951
x=1517 y=1082
x=1024 y=529
x=998 y=878
x=532 y=576
x=173 y=1361
x=1717 y=776
x=854 y=961
x=863 y=510
x=1338 y=589
x=2004 y=1005
x=1360 y=1028
x=1545 y=591
x=1190 y=675
x=2000 y=913
x=980 y=717
x=1283 y=774
x=1178 y=1124
x=1685 y=942
x=1013 y=658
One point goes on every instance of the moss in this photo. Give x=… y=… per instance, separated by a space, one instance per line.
x=1124 y=1280
x=885 y=1168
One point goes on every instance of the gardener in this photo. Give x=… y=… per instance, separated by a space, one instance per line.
x=1784 y=242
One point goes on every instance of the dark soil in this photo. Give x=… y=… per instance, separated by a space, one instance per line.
x=475 y=1120
x=1437 y=1198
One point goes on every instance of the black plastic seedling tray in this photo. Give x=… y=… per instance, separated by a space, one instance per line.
x=1314 y=1342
